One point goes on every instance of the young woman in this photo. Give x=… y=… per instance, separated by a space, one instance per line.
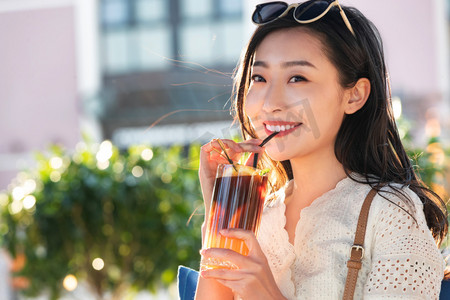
x=315 y=71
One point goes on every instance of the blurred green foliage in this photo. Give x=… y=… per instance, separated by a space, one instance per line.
x=130 y=209
x=431 y=163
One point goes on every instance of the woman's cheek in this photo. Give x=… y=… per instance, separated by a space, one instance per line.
x=251 y=106
x=253 y=111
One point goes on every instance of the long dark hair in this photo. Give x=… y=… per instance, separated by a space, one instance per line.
x=368 y=141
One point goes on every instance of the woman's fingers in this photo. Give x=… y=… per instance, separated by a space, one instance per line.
x=223 y=274
x=229 y=145
x=234 y=150
x=247 y=236
x=229 y=255
x=214 y=150
x=252 y=279
x=250 y=147
x=246 y=146
x=225 y=255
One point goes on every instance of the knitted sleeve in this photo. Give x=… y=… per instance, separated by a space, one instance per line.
x=406 y=263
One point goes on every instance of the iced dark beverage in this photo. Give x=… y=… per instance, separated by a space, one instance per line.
x=237 y=202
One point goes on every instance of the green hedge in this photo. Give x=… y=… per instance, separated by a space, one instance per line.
x=130 y=209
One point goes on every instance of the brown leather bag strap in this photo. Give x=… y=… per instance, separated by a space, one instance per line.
x=357 y=252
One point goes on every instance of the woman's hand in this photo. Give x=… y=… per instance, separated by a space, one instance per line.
x=253 y=279
x=211 y=156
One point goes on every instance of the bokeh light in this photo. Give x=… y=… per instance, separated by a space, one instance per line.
x=55 y=176
x=15 y=207
x=118 y=167
x=437 y=154
x=147 y=154
x=18 y=193
x=56 y=162
x=29 y=186
x=166 y=178
x=433 y=127
x=98 y=264
x=102 y=165
x=137 y=171
x=29 y=202
x=70 y=282
x=124 y=250
x=105 y=152
x=171 y=167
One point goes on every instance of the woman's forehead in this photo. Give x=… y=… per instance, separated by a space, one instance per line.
x=289 y=44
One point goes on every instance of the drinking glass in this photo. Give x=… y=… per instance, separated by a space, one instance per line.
x=237 y=202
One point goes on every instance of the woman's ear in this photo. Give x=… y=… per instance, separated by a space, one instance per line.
x=357 y=96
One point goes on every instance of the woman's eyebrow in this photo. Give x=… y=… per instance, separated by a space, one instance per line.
x=287 y=64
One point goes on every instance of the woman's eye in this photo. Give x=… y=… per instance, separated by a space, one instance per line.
x=297 y=79
x=258 y=78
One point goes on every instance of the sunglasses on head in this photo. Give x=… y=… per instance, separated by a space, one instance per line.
x=304 y=13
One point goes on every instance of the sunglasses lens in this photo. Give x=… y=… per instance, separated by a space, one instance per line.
x=310 y=10
x=267 y=12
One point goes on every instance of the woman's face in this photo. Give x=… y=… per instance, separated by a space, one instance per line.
x=295 y=90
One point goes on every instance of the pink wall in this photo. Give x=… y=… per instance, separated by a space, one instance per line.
x=38 y=84
x=409 y=36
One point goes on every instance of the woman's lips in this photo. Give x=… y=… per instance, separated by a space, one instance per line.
x=283 y=127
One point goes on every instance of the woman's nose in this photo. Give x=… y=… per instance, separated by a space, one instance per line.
x=274 y=98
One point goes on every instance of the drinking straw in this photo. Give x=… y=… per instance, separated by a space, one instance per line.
x=255 y=159
x=226 y=154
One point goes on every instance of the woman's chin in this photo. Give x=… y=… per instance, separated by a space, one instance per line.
x=277 y=155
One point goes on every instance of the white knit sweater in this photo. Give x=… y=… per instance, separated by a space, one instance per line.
x=401 y=259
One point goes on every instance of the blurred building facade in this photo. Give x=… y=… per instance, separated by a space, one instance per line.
x=167 y=63
x=160 y=71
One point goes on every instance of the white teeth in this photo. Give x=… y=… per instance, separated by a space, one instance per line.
x=279 y=128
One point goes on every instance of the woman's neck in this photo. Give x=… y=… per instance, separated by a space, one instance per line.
x=315 y=175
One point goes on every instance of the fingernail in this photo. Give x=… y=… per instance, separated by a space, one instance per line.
x=223 y=231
